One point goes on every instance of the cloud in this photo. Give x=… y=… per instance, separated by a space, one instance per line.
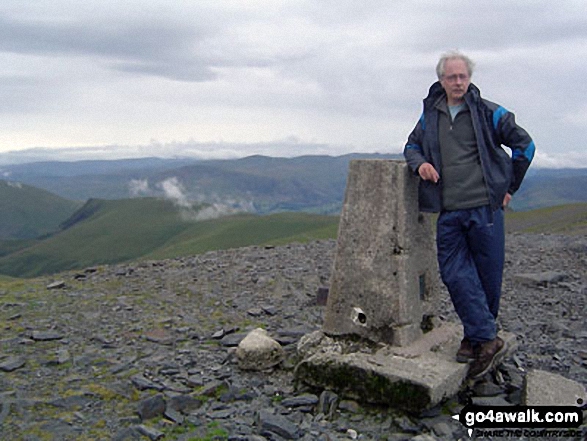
x=571 y=159
x=228 y=79
x=139 y=187
x=204 y=207
x=172 y=189
x=149 y=47
x=216 y=210
x=287 y=147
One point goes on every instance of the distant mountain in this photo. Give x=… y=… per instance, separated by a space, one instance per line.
x=550 y=187
x=83 y=180
x=104 y=232
x=87 y=167
x=265 y=185
x=256 y=184
x=27 y=212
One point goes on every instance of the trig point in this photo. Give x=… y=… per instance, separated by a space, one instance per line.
x=379 y=342
x=384 y=282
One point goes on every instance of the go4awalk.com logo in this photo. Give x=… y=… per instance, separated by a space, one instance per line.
x=516 y=421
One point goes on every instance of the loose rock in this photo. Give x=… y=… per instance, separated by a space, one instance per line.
x=87 y=377
x=258 y=351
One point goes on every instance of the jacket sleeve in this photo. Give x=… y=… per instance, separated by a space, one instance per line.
x=413 y=151
x=519 y=141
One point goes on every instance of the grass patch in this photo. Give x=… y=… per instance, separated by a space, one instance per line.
x=214 y=433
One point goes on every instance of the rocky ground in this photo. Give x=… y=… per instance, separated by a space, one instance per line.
x=146 y=350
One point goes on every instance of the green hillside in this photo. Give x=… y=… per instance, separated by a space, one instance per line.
x=27 y=212
x=114 y=231
x=104 y=232
x=568 y=219
x=244 y=230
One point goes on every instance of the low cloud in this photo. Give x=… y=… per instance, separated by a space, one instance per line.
x=200 y=208
x=175 y=191
x=213 y=211
x=286 y=147
x=139 y=187
x=571 y=159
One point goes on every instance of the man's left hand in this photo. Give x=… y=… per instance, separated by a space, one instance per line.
x=506 y=200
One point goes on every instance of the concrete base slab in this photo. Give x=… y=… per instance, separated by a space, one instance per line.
x=413 y=377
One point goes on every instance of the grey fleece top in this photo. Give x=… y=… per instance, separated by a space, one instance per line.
x=464 y=186
x=494 y=127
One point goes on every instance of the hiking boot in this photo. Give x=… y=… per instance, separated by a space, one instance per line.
x=487 y=356
x=465 y=352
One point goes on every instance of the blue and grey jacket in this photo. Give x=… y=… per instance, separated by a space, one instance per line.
x=494 y=126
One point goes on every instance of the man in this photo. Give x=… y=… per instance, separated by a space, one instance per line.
x=467 y=176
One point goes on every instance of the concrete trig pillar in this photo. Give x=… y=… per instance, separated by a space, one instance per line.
x=384 y=284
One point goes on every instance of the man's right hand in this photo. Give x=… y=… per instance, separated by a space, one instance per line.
x=428 y=172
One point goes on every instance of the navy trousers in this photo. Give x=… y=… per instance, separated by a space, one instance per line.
x=471 y=254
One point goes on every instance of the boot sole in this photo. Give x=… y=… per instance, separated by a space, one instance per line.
x=464 y=359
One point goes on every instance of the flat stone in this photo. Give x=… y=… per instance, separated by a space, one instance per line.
x=301 y=401
x=173 y=415
x=547 y=389
x=443 y=430
x=72 y=402
x=151 y=407
x=150 y=432
x=128 y=434
x=419 y=379
x=210 y=389
x=487 y=389
x=255 y=312
x=159 y=336
x=46 y=335
x=232 y=340
x=540 y=279
x=184 y=404
x=218 y=334
x=195 y=381
x=12 y=363
x=424 y=437
x=222 y=414
x=278 y=424
x=490 y=401
x=60 y=429
x=60 y=284
x=269 y=309
x=141 y=383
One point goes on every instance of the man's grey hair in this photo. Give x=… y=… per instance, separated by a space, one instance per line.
x=453 y=55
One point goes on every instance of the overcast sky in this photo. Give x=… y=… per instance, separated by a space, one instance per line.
x=224 y=78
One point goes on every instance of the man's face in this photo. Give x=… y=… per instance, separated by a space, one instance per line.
x=455 y=80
